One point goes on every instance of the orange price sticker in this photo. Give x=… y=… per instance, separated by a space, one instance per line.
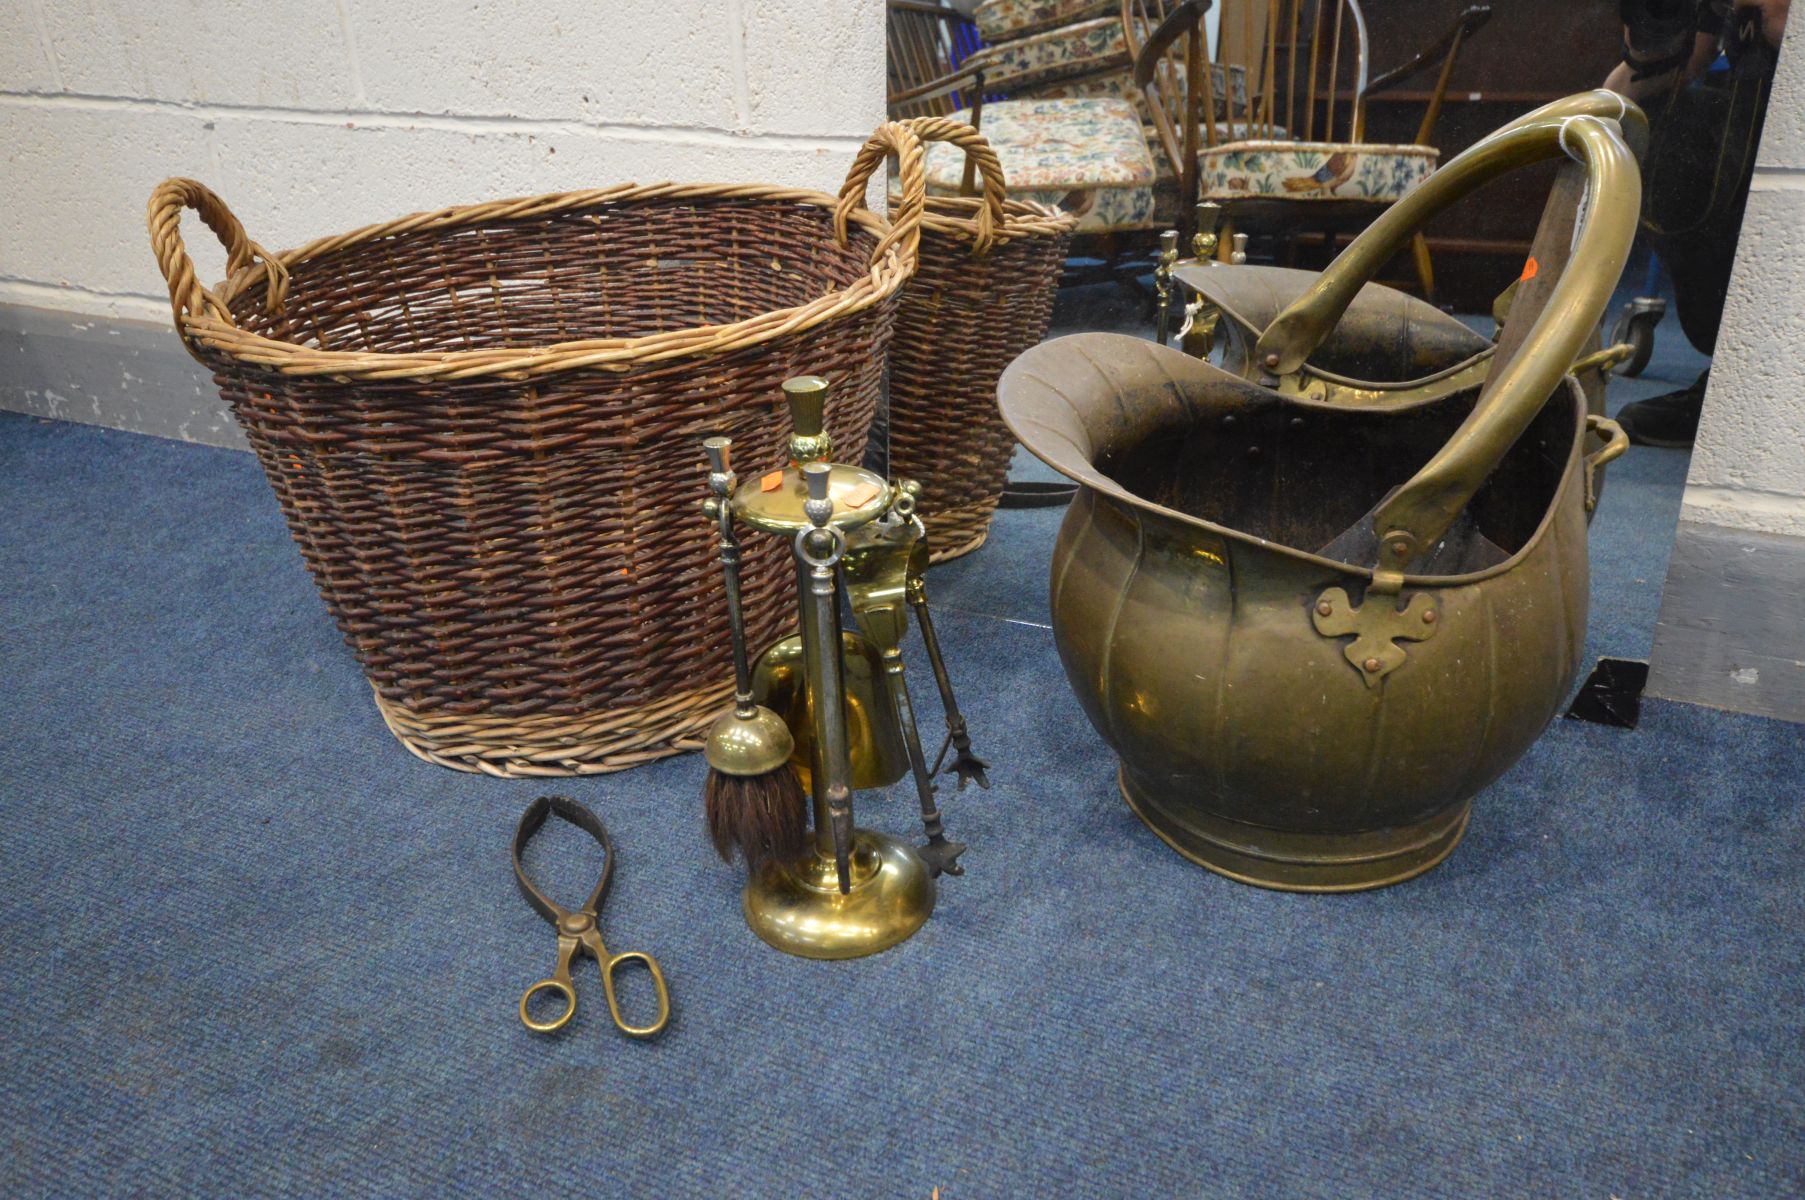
x=770 y=482
x=862 y=495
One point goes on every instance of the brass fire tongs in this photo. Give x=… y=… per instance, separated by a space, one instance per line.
x=967 y=766
x=578 y=929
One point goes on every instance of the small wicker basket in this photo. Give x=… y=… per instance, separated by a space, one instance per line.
x=990 y=268
x=483 y=425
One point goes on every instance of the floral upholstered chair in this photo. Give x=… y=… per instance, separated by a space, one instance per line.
x=1040 y=49
x=1041 y=44
x=1010 y=20
x=1265 y=165
x=1081 y=49
x=1086 y=154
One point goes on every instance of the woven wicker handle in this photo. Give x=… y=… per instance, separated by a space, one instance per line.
x=187 y=295
x=990 y=169
x=892 y=137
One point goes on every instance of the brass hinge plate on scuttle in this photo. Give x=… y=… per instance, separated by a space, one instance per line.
x=1376 y=627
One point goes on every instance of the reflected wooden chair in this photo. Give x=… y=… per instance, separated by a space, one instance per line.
x=923 y=43
x=1086 y=155
x=1289 y=155
x=1047 y=49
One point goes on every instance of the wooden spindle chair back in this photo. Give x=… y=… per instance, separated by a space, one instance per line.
x=1280 y=58
x=1312 y=59
x=1327 y=56
x=1296 y=69
x=1164 y=91
x=920 y=51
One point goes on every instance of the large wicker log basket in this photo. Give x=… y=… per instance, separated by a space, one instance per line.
x=483 y=425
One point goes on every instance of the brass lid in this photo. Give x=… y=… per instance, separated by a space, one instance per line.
x=780 y=509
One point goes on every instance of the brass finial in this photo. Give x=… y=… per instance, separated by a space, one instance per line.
x=1209 y=218
x=721 y=478
x=818 y=508
x=808 y=395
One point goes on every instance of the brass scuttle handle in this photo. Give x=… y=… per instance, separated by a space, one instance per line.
x=1519 y=384
x=1296 y=333
x=1615 y=444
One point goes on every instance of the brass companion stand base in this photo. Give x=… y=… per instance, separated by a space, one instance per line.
x=1300 y=862
x=797 y=906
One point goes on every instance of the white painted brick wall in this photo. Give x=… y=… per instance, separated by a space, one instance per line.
x=674 y=62
x=1748 y=468
x=794 y=82
x=1783 y=138
x=242 y=52
x=73 y=192
x=313 y=118
x=25 y=61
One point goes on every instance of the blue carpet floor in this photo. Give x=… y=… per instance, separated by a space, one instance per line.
x=249 y=946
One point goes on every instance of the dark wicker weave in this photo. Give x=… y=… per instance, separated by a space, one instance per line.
x=983 y=295
x=483 y=426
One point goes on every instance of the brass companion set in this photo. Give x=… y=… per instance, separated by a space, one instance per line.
x=1324 y=578
x=842 y=697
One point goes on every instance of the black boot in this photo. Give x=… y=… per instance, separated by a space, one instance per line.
x=1670 y=419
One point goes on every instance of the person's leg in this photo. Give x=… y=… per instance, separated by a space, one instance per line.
x=1701 y=255
x=1700 y=264
x=1669 y=420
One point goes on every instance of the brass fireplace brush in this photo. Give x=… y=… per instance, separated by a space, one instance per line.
x=753 y=798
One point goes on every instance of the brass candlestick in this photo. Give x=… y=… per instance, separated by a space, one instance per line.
x=1197 y=336
x=1162 y=284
